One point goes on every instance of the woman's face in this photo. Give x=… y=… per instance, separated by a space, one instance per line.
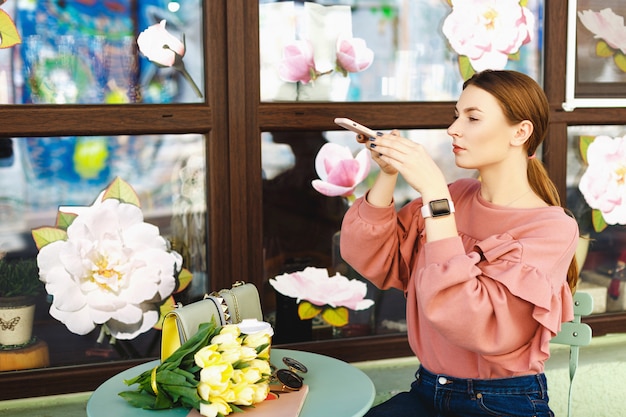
x=481 y=135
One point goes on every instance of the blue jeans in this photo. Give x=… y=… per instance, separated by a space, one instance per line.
x=443 y=396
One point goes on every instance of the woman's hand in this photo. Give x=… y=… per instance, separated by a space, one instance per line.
x=396 y=154
x=385 y=167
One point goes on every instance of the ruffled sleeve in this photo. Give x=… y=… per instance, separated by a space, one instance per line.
x=547 y=292
x=549 y=295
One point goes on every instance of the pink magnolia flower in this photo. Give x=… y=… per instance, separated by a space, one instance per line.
x=317 y=287
x=353 y=55
x=160 y=46
x=604 y=182
x=488 y=31
x=298 y=63
x=606 y=25
x=339 y=171
x=164 y=49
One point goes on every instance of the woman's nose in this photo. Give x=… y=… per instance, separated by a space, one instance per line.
x=452 y=130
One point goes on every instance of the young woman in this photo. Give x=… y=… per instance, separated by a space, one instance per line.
x=486 y=265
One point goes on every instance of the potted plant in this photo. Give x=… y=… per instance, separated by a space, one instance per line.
x=19 y=286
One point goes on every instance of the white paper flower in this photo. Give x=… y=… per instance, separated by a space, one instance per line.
x=488 y=31
x=606 y=25
x=113 y=269
x=317 y=287
x=604 y=182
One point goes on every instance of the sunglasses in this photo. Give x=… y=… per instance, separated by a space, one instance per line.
x=288 y=380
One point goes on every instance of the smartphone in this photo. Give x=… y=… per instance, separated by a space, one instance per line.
x=355 y=127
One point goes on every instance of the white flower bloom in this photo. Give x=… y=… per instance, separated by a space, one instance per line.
x=317 y=287
x=113 y=269
x=604 y=182
x=487 y=31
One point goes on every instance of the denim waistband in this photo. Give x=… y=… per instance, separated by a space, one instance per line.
x=518 y=384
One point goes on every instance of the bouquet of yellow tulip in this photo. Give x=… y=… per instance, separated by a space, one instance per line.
x=216 y=371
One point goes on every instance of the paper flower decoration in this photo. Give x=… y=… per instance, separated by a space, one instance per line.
x=609 y=28
x=9 y=35
x=298 y=63
x=165 y=50
x=339 y=172
x=487 y=33
x=316 y=292
x=353 y=55
x=103 y=265
x=603 y=184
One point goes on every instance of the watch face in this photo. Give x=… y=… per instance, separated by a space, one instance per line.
x=440 y=208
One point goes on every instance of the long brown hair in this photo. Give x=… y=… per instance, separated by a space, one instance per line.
x=521 y=98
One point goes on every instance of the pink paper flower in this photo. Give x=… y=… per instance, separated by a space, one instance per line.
x=604 y=182
x=606 y=25
x=317 y=287
x=488 y=31
x=165 y=50
x=339 y=171
x=353 y=55
x=298 y=63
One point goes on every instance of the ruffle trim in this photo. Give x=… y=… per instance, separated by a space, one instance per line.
x=553 y=304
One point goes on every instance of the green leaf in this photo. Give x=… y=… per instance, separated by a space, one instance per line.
x=515 y=57
x=121 y=190
x=583 y=145
x=603 y=49
x=307 y=311
x=46 y=235
x=261 y=348
x=183 y=280
x=465 y=67
x=9 y=35
x=337 y=316
x=620 y=61
x=139 y=399
x=64 y=220
x=599 y=224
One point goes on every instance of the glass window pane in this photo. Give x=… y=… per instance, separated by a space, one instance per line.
x=420 y=48
x=595 y=190
x=37 y=175
x=599 y=72
x=300 y=228
x=75 y=52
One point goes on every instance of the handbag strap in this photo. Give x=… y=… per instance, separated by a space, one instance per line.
x=237 y=315
x=222 y=307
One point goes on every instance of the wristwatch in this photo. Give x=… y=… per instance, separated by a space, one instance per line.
x=438 y=208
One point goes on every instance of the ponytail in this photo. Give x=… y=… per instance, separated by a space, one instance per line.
x=543 y=186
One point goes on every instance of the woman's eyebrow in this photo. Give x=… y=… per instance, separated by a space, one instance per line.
x=468 y=109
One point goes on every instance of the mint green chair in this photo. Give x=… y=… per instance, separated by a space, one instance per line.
x=575 y=334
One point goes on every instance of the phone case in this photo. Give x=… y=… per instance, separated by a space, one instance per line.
x=354 y=126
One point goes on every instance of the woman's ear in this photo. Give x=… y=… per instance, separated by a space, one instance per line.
x=522 y=134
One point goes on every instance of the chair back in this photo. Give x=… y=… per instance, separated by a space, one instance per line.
x=575 y=334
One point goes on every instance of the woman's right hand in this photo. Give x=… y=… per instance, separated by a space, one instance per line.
x=384 y=166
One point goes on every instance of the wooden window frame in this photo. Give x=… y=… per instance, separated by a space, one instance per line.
x=232 y=120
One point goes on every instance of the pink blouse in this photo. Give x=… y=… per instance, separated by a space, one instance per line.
x=484 y=304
